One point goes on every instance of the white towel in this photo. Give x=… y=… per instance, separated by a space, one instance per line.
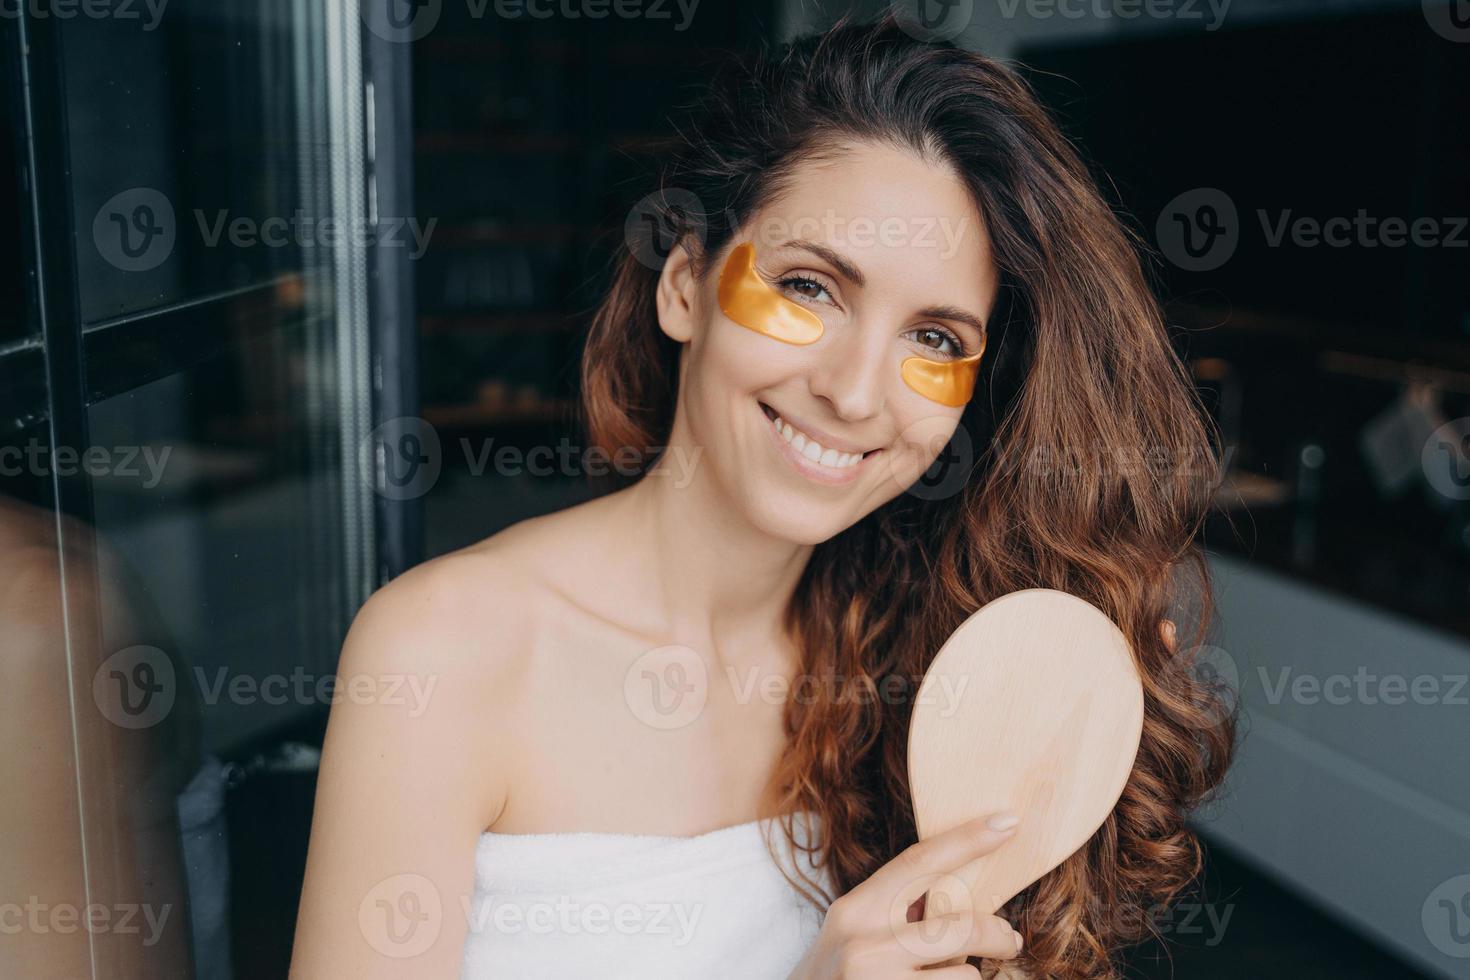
x=633 y=907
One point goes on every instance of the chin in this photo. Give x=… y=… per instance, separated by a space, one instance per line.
x=788 y=517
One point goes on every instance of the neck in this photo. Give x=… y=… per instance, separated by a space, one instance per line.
x=720 y=582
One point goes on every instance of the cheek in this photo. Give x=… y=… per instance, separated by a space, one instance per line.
x=741 y=361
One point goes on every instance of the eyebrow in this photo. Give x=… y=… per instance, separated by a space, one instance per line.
x=956 y=314
x=854 y=275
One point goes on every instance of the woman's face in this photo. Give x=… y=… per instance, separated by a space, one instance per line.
x=890 y=253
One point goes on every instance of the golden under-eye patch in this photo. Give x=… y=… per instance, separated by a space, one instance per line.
x=946 y=382
x=751 y=302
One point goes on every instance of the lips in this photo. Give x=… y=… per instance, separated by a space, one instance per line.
x=820 y=462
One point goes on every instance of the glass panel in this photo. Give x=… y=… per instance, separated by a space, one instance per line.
x=16 y=322
x=182 y=625
x=188 y=177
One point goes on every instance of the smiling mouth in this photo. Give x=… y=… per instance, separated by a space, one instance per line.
x=813 y=451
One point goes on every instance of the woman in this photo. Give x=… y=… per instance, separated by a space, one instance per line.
x=678 y=698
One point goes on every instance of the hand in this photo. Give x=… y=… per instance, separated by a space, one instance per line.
x=867 y=932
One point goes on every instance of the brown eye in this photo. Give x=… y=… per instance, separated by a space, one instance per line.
x=807 y=288
x=940 y=340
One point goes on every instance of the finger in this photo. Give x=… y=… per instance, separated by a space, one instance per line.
x=994 y=939
x=941 y=939
x=1170 y=634
x=963 y=971
x=955 y=936
x=941 y=854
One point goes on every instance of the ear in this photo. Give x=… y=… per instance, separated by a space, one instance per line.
x=676 y=295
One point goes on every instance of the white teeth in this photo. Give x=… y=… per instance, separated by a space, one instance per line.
x=814 y=450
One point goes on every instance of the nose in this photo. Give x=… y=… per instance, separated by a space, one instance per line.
x=851 y=373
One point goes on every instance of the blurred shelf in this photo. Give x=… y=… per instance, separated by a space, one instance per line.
x=508 y=322
x=1244 y=490
x=496 y=144
x=639 y=142
x=635 y=54
x=20 y=346
x=646 y=54
x=1394 y=371
x=487 y=415
x=1363 y=339
x=1387 y=567
x=519 y=233
x=479 y=143
x=480 y=48
x=127 y=352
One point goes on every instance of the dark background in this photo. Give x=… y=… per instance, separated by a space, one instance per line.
x=527 y=142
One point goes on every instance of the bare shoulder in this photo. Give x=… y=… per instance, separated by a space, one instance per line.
x=470 y=616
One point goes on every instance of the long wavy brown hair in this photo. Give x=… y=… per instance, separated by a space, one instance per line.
x=1085 y=464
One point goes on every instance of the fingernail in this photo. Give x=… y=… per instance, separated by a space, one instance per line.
x=1002 y=821
x=1017 y=936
